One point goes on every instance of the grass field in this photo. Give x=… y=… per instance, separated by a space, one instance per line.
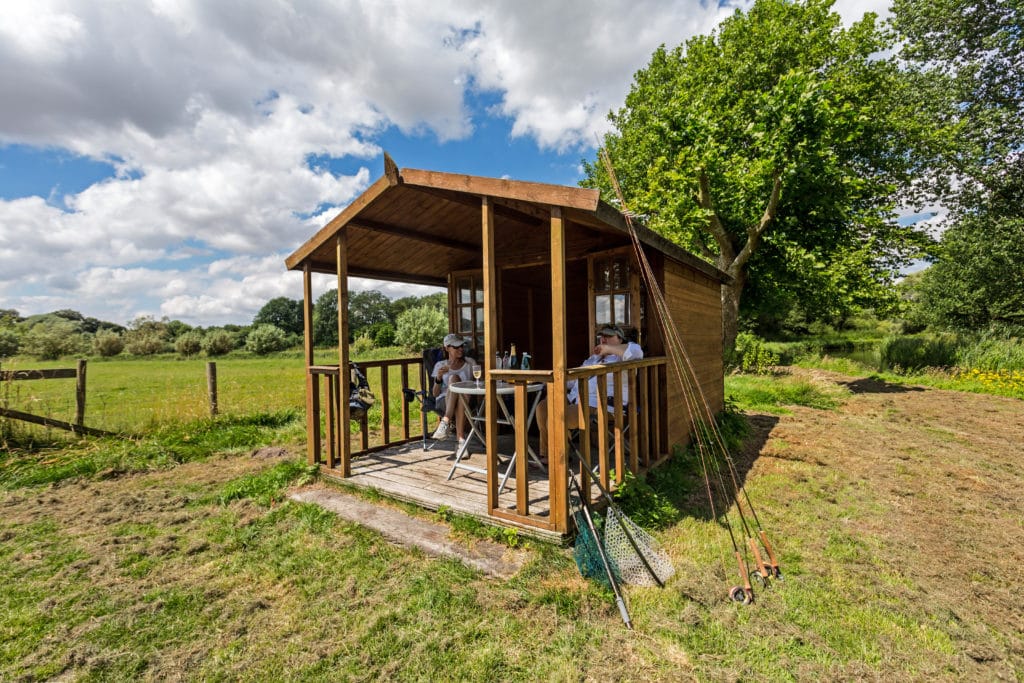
x=174 y=555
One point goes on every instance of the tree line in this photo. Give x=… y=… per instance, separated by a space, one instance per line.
x=375 y=321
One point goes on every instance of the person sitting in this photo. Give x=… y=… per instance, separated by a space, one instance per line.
x=612 y=347
x=455 y=368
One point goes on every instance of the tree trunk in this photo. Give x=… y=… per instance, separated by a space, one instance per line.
x=731 y=294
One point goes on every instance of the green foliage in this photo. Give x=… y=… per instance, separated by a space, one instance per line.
x=775 y=146
x=915 y=353
x=325 y=319
x=107 y=344
x=267 y=487
x=751 y=355
x=189 y=344
x=420 y=328
x=382 y=334
x=283 y=313
x=218 y=342
x=991 y=352
x=9 y=343
x=264 y=339
x=366 y=309
x=147 y=336
x=52 y=339
x=362 y=345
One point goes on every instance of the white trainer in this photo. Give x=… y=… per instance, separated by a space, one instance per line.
x=442 y=430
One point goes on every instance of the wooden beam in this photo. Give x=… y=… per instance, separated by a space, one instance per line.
x=338 y=223
x=54 y=373
x=391 y=170
x=344 y=414
x=473 y=200
x=409 y=233
x=312 y=380
x=557 y=443
x=501 y=188
x=490 y=347
x=50 y=422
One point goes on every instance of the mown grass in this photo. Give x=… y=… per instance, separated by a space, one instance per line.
x=182 y=572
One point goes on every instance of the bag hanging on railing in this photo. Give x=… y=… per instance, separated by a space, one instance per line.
x=360 y=397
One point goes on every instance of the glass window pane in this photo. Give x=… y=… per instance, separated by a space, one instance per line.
x=602 y=276
x=620 y=308
x=603 y=312
x=479 y=318
x=465 y=290
x=618 y=274
x=479 y=292
x=465 y=319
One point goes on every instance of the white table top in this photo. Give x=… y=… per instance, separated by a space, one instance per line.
x=471 y=389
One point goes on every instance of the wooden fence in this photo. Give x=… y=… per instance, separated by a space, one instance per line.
x=78 y=373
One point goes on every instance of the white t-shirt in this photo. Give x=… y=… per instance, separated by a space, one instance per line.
x=632 y=352
x=463 y=374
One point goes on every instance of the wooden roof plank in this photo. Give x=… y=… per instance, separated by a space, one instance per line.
x=538 y=193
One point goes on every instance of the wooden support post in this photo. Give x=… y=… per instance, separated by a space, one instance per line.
x=344 y=415
x=211 y=386
x=312 y=382
x=490 y=346
x=631 y=422
x=557 y=444
x=385 y=405
x=405 y=404
x=523 y=458
x=80 y=393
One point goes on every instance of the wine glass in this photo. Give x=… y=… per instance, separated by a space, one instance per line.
x=477 y=371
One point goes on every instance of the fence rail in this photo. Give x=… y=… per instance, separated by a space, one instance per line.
x=78 y=373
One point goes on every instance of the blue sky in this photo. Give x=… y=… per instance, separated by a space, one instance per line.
x=163 y=158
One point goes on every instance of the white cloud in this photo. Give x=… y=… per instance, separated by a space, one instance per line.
x=209 y=110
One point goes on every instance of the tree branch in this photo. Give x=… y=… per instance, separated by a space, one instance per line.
x=715 y=226
x=755 y=231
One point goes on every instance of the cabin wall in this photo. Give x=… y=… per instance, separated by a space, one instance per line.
x=695 y=304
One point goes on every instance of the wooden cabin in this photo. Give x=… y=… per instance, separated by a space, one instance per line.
x=541 y=266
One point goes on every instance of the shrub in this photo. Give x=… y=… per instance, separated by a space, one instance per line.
x=420 y=328
x=362 y=345
x=107 y=344
x=51 y=340
x=189 y=344
x=218 y=343
x=915 y=353
x=9 y=343
x=382 y=334
x=991 y=353
x=145 y=344
x=264 y=339
x=751 y=355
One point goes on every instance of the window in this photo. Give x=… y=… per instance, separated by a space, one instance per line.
x=469 y=308
x=613 y=295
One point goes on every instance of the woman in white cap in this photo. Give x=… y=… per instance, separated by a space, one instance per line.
x=612 y=347
x=455 y=368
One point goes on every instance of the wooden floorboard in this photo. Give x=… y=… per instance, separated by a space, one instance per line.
x=410 y=473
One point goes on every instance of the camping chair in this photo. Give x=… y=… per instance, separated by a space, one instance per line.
x=426 y=396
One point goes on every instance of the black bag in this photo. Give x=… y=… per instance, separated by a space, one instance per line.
x=360 y=397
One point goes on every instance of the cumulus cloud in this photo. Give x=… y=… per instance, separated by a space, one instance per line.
x=209 y=110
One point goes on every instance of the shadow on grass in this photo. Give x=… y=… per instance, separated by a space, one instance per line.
x=680 y=487
x=873 y=385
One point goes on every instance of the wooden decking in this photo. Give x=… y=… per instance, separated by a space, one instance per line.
x=410 y=473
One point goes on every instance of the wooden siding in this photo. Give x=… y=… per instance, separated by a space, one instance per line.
x=694 y=301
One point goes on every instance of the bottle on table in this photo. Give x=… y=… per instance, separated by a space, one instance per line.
x=512 y=357
x=525 y=363
x=504 y=361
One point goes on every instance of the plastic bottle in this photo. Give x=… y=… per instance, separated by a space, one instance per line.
x=513 y=363
x=497 y=360
x=525 y=363
x=504 y=361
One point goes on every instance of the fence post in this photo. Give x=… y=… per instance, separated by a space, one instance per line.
x=80 y=393
x=211 y=386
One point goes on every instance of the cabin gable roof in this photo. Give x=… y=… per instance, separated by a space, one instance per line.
x=417 y=226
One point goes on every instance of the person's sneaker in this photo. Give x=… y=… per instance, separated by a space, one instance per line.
x=462 y=442
x=442 y=430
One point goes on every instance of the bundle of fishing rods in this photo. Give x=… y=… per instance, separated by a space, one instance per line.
x=717 y=466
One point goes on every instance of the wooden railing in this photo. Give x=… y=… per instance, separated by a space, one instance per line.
x=329 y=401
x=627 y=435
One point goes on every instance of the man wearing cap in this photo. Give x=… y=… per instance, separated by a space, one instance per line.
x=455 y=368
x=612 y=347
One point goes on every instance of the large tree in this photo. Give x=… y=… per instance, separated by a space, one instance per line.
x=283 y=313
x=775 y=148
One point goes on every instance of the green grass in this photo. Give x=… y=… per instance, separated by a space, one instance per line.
x=776 y=394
